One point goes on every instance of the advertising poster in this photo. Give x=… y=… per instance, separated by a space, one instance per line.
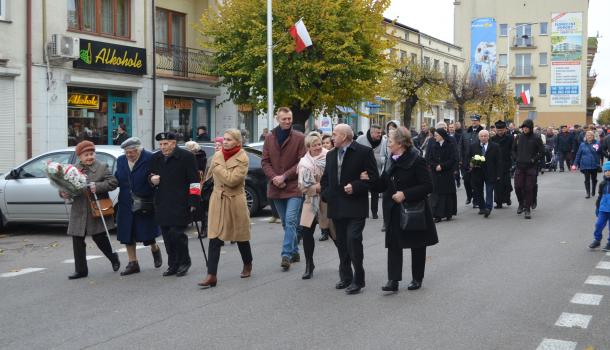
x=566 y=57
x=483 y=49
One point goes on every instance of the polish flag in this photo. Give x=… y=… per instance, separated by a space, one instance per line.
x=525 y=97
x=301 y=37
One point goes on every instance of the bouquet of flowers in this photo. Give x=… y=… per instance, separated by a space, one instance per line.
x=477 y=161
x=66 y=178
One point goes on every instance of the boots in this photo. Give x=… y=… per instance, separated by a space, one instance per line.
x=309 y=267
x=593 y=187
x=587 y=189
x=247 y=271
x=131 y=268
x=308 y=247
x=157 y=257
x=209 y=282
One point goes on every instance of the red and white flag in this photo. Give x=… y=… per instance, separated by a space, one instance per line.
x=525 y=97
x=301 y=36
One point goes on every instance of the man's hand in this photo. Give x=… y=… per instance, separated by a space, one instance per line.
x=193 y=209
x=398 y=197
x=279 y=180
x=364 y=176
x=438 y=168
x=155 y=179
x=348 y=189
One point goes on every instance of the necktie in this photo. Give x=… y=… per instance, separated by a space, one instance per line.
x=483 y=149
x=340 y=163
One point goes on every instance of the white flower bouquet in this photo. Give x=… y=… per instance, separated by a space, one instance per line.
x=477 y=161
x=66 y=177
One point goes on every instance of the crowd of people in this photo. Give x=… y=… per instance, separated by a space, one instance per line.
x=332 y=181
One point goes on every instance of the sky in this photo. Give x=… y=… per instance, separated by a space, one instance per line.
x=435 y=17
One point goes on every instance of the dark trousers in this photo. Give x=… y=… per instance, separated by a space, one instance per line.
x=374 y=202
x=503 y=188
x=478 y=185
x=349 y=246
x=590 y=180
x=564 y=157
x=467 y=183
x=309 y=243
x=418 y=263
x=176 y=245
x=457 y=177
x=525 y=182
x=80 y=250
x=214 y=251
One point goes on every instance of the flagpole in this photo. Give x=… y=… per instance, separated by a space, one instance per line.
x=270 y=108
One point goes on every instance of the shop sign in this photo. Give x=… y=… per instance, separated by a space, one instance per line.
x=245 y=108
x=84 y=101
x=178 y=103
x=99 y=56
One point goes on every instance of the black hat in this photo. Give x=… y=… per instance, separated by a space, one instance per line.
x=475 y=117
x=442 y=132
x=528 y=123
x=500 y=124
x=168 y=135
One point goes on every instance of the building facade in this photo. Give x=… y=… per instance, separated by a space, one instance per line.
x=537 y=47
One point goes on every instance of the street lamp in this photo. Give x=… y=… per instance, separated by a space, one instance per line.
x=524 y=36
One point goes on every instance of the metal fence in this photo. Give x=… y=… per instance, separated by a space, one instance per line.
x=185 y=61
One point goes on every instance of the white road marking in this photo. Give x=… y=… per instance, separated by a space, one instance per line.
x=573 y=320
x=598 y=280
x=89 y=257
x=603 y=265
x=554 y=344
x=123 y=250
x=586 y=299
x=265 y=219
x=22 y=271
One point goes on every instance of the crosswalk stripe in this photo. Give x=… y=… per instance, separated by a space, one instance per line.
x=603 y=265
x=22 y=271
x=89 y=257
x=598 y=280
x=573 y=320
x=123 y=250
x=555 y=344
x=586 y=299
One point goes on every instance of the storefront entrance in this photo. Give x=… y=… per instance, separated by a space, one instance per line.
x=183 y=115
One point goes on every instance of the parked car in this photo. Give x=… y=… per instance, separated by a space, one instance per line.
x=26 y=196
x=257 y=146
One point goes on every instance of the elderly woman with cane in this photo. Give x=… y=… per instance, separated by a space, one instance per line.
x=229 y=218
x=135 y=217
x=82 y=221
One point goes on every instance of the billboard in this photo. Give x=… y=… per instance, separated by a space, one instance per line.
x=566 y=58
x=483 y=49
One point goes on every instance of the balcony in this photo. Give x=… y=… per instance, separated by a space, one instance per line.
x=522 y=72
x=185 y=62
x=523 y=42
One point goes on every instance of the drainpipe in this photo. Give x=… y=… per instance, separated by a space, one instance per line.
x=28 y=79
x=154 y=76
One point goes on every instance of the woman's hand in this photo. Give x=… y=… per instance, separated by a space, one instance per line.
x=398 y=197
x=438 y=168
x=318 y=188
x=92 y=187
x=64 y=195
x=364 y=176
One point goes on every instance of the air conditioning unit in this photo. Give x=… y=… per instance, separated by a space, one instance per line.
x=64 y=47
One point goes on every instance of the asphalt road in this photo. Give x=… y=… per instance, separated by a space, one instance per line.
x=497 y=283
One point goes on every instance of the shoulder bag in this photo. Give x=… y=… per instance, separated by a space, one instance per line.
x=412 y=214
x=140 y=205
x=105 y=204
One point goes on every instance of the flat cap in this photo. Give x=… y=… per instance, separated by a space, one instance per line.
x=131 y=142
x=475 y=117
x=167 y=135
x=500 y=124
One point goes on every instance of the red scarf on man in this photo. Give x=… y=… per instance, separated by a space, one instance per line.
x=228 y=153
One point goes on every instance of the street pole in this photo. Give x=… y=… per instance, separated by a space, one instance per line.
x=269 y=66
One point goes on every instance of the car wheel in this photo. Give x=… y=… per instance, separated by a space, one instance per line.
x=252 y=200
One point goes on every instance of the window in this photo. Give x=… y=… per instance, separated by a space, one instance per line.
x=403 y=56
x=3 y=10
x=503 y=29
x=523 y=37
x=413 y=58
x=106 y=158
x=446 y=69
x=170 y=28
x=544 y=28
x=523 y=66
x=542 y=89
x=519 y=88
x=426 y=62
x=503 y=60
x=454 y=70
x=437 y=65
x=36 y=168
x=104 y=17
x=543 y=58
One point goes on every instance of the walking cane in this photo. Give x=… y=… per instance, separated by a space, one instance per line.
x=97 y=203
x=200 y=236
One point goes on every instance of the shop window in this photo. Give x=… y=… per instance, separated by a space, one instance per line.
x=184 y=115
x=103 y=17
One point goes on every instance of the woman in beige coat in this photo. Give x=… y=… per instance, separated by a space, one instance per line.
x=310 y=170
x=228 y=216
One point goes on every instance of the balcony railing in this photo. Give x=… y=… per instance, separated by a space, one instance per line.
x=185 y=62
x=522 y=72
x=519 y=42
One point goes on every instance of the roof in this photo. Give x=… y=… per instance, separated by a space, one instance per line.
x=387 y=20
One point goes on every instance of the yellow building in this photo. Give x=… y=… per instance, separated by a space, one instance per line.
x=537 y=46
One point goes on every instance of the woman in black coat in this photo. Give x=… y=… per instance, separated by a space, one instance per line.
x=406 y=179
x=443 y=161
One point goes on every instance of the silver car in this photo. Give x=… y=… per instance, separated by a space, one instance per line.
x=27 y=196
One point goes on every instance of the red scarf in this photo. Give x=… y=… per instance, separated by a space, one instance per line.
x=228 y=153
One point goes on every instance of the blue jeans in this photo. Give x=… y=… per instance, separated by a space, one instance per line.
x=603 y=218
x=289 y=210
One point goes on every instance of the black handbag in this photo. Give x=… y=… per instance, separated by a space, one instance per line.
x=140 y=205
x=413 y=216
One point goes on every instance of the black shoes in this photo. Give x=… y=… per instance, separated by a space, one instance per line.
x=509 y=202
x=449 y=218
x=116 y=263
x=390 y=286
x=528 y=214
x=414 y=285
x=468 y=201
x=375 y=216
x=588 y=195
x=77 y=275
x=170 y=271
x=343 y=284
x=607 y=247
x=534 y=205
x=182 y=270
x=158 y=258
x=309 y=267
x=353 y=289
x=482 y=211
x=520 y=210
x=131 y=268
x=324 y=236
x=296 y=257
x=285 y=263
x=487 y=212
x=499 y=206
x=594 y=244
x=437 y=220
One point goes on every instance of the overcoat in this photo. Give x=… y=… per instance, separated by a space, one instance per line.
x=409 y=174
x=173 y=195
x=283 y=160
x=228 y=216
x=82 y=223
x=143 y=226
x=492 y=167
x=445 y=156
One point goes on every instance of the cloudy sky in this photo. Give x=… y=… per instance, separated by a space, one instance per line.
x=435 y=17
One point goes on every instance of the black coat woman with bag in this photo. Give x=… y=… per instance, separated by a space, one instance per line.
x=406 y=183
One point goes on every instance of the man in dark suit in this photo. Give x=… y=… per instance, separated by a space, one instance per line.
x=469 y=138
x=487 y=174
x=348 y=204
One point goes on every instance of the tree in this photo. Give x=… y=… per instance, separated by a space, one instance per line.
x=463 y=89
x=604 y=117
x=416 y=85
x=342 y=68
x=494 y=99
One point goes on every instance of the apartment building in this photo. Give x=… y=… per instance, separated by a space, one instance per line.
x=538 y=47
